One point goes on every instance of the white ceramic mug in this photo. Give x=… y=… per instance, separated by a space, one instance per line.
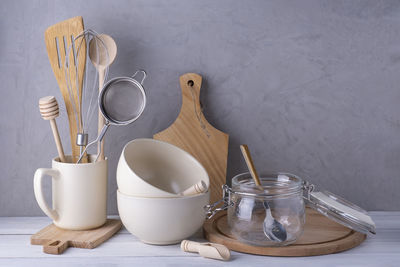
x=79 y=193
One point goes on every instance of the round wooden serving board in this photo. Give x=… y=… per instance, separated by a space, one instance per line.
x=321 y=236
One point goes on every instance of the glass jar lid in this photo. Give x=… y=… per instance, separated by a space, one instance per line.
x=339 y=210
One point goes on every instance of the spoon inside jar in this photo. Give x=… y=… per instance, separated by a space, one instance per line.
x=273 y=229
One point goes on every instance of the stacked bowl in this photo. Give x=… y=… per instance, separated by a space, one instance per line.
x=152 y=178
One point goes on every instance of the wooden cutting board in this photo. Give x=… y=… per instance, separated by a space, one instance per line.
x=56 y=240
x=321 y=236
x=194 y=134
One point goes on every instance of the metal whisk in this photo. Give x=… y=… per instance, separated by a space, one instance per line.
x=87 y=107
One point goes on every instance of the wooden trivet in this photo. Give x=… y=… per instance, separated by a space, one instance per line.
x=321 y=236
x=55 y=240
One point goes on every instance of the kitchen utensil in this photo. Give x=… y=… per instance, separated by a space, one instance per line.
x=79 y=193
x=273 y=229
x=152 y=168
x=49 y=110
x=207 y=250
x=194 y=134
x=102 y=55
x=321 y=236
x=88 y=103
x=162 y=221
x=250 y=164
x=56 y=240
x=58 y=37
x=198 y=188
x=121 y=101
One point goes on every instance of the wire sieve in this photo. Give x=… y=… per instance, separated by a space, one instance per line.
x=121 y=101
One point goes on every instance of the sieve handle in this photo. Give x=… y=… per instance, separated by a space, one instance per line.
x=101 y=136
x=103 y=132
x=98 y=139
x=144 y=75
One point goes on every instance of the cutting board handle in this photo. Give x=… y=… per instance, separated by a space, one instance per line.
x=190 y=85
x=55 y=247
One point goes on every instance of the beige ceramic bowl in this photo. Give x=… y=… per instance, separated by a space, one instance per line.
x=152 y=168
x=162 y=221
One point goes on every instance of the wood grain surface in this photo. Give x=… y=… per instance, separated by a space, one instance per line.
x=56 y=240
x=58 y=40
x=124 y=249
x=194 y=134
x=321 y=236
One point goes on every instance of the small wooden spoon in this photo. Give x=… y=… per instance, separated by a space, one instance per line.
x=250 y=165
x=102 y=55
x=49 y=110
x=273 y=229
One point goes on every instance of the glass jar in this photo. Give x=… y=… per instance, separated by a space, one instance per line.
x=249 y=218
x=272 y=214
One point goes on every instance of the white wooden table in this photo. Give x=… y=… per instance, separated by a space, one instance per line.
x=124 y=249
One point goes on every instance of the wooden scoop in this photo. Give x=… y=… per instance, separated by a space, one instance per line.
x=195 y=189
x=58 y=39
x=207 y=250
x=49 y=110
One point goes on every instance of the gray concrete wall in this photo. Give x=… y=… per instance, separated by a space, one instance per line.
x=313 y=87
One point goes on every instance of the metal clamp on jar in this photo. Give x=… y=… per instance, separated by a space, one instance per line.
x=274 y=215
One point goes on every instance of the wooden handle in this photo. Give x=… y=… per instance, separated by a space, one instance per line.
x=207 y=250
x=250 y=164
x=100 y=146
x=190 y=84
x=49 y=110
x=58 y=140
x=195 y=189
x=55 y=247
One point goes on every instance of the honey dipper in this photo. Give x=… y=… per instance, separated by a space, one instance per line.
x=49 y=110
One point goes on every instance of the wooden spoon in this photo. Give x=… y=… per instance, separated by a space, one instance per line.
x=250 y=164
x=102 y=55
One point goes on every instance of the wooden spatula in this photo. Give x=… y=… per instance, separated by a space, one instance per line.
x=58 y=39
x=194 y=134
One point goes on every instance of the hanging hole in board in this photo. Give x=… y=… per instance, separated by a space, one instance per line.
x=190 y=83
